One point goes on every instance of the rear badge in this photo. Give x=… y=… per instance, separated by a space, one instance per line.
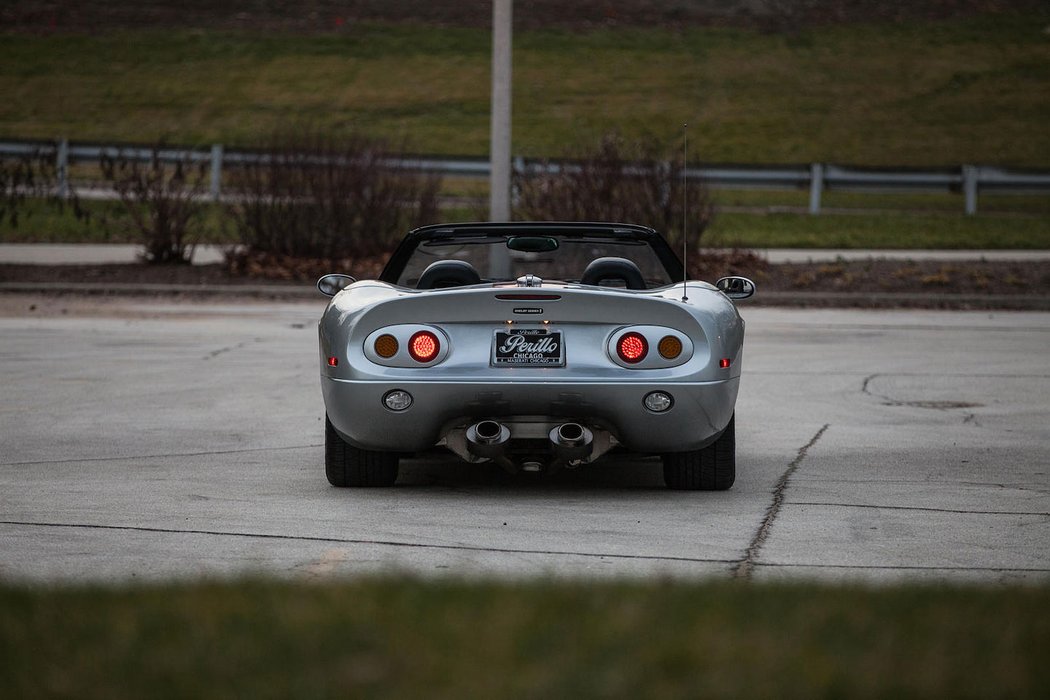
x=528 y=310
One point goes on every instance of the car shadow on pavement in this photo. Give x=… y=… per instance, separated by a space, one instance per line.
x=610 y=473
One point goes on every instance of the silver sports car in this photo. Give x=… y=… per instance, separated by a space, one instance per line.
x=535 y=347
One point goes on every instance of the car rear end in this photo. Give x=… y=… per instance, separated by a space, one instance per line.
x=530 y=377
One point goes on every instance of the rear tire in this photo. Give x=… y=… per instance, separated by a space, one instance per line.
x=712 y=468
x=346 y=465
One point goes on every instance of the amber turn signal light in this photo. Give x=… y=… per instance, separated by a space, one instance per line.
x=386 y=346
x=669 y=347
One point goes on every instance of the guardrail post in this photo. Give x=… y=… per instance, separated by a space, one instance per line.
x=62 y=167
x=816 y=186
x=969 y=177
x=216 y=170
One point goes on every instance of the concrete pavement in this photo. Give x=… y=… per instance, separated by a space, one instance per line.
x=90 y=253
x=158 y=440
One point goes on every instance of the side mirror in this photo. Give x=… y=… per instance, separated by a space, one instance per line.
x=736 y=287
x=330 y=285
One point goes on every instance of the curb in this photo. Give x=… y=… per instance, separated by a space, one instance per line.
x=286 y=292
x=277 y=291
x=891 y=300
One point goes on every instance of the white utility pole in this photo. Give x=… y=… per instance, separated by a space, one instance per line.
x=499 y=147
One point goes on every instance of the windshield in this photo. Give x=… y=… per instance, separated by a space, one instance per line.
x=495 y=261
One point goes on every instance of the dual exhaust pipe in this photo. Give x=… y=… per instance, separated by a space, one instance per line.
x=570 y=443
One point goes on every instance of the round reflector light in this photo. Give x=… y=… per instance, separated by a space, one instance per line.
x=658 y=401
x=632 y=347
x=397 y=400
x=670 y=347
x=386 y=346
x=423 y=346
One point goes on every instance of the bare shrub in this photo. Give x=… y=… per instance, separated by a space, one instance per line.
x=163 y=200
x=639 y=183
x=33 y=176
x=322 y=197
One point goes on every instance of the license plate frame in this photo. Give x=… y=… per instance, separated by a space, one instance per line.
x=538 y=347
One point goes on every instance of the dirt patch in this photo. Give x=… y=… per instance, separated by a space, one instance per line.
x=919 y=277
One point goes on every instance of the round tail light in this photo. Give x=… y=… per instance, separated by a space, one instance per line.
x=670 y=347
x=386 y=346
x=423 y=346
x=632 y=347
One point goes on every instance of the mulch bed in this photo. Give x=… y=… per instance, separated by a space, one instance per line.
x=919 y=277
x=881 y=276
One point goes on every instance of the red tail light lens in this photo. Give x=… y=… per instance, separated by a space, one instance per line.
x=632 y=347
x=423 y=346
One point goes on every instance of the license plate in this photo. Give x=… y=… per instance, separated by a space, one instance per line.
x=528 y=347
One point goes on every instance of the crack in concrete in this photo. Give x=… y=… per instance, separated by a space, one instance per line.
x=931 y=404
x=1014 y=487
x=742 y=569
x=864 y=387
x=231 y=348
x=381 y=543
x=920 y=508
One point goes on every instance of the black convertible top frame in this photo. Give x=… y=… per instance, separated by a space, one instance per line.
x=392 y=272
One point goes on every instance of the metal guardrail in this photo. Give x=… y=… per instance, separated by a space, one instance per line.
x=816 y=177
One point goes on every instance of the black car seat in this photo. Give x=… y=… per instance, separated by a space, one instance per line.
x=612 y=269
x=448 y=273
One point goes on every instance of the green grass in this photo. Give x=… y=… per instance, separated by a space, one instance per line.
x=401 y=638
x=109 y=223
x=105 y=222
x=968 y=90
x=886 y=231
x=919 y=202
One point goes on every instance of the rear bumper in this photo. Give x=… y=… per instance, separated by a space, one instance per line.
x=700 y=412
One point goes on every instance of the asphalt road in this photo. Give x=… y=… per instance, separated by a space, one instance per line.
x=143 y=441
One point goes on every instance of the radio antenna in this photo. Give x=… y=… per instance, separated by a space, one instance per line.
x=685 y=210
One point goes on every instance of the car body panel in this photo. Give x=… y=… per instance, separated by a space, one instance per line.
x=593 y=387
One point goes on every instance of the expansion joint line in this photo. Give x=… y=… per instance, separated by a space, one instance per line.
x=744 y=567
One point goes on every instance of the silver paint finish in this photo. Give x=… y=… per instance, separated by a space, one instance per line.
x=699 y=413
x=591 y=388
